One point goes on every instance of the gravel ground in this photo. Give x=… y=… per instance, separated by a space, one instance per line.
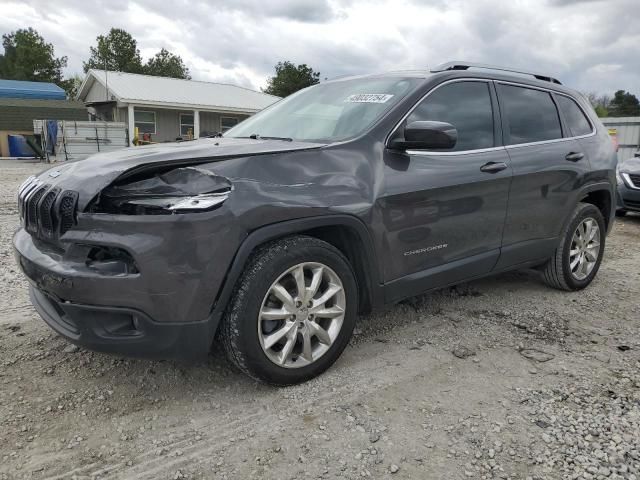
x=499 y=378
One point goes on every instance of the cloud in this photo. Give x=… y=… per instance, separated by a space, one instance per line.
x=572 y=2
x=298 y=10
x=592 y=45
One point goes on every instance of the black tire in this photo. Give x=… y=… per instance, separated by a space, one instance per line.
x=239 y=329
x=621 y=213
x=557 y=271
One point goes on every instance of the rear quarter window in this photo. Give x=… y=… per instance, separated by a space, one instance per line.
x=531 y=114
x=577 y=121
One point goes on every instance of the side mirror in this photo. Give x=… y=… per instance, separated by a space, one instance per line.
x=424 y=135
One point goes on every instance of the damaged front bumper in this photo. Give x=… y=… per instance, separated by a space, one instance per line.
x=155 y=300
x=123 y=331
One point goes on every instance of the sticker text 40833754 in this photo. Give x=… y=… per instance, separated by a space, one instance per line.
x=369 y=98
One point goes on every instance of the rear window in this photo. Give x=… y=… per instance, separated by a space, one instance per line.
x=574 y=116
x=531 y=114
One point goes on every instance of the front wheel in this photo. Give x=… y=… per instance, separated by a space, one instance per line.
x=293 y=311
x=577 y=259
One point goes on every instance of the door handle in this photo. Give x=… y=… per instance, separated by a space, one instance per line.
x=574 y=156
x=493 y=167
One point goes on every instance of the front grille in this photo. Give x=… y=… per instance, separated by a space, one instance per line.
x=67 y=210
x=32 y=209
x=46 y=212
x=47 y=218
x=635 y=179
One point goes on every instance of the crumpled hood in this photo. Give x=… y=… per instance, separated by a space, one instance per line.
x=89 y=176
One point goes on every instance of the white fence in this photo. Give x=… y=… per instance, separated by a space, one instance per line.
x=627 y=133
x=78 y=140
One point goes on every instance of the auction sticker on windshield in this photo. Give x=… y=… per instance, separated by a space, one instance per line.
x=369 y=98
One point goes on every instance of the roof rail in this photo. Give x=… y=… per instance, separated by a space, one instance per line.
x=466 y=65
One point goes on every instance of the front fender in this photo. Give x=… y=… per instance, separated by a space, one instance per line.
x=369 y=272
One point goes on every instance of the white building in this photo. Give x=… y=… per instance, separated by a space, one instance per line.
x=168 y=108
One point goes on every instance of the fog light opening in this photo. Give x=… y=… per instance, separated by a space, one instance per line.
x=111 y=261
x=124 y=325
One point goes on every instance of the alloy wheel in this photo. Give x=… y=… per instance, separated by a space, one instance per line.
x=301 y=315
x=585 y=248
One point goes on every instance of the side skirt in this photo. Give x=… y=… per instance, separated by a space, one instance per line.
x=521 y=252
x=438 y=277
x=514 y=257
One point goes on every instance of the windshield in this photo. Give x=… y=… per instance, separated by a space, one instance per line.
x=327 y=112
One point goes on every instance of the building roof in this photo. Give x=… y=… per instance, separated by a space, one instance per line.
x=176 y=93
x=22 y=89
x=42 y=103
x=18 y=114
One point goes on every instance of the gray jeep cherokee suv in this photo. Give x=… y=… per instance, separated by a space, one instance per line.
x=346 y=196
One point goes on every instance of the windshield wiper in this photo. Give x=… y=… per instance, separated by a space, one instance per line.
x=257 y=136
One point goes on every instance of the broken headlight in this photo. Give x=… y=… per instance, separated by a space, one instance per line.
x=181 y=190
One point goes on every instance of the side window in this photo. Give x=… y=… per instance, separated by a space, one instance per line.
x=466 y=106
x=531 y=114
x=575 y=117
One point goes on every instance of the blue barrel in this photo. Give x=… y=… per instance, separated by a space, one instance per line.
x=18 y=147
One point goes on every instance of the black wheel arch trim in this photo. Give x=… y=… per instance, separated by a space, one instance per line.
x=372 y=285
x=600 y=186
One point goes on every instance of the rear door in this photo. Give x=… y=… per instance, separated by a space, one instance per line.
x=443 y=212
x=548 y=165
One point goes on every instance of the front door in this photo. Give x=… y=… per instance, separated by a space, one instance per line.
x=443 y=212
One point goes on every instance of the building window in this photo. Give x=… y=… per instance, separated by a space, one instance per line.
x=227 y=122
x=186 y=124
x=145 y=121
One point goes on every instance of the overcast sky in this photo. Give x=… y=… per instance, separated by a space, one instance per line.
x=591 y=45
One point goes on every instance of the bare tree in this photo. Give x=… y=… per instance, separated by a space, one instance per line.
x=601 y=103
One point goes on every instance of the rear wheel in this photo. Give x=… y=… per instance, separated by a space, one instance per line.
x=577 y=259
x=293 y=311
